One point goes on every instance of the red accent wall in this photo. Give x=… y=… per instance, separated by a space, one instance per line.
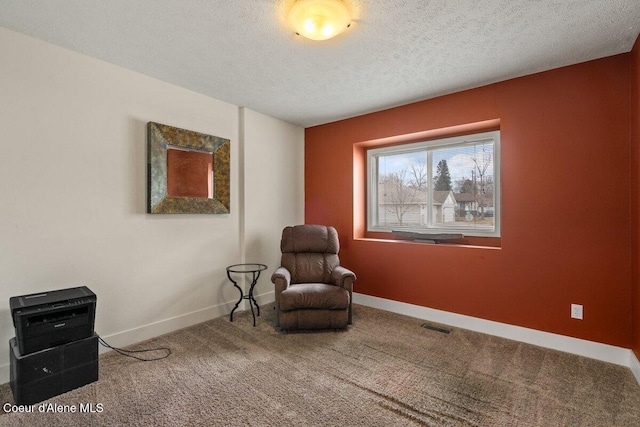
x=635 y=190
x=566 y=204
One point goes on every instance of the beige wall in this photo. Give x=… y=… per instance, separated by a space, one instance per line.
x=73 y=193
x=274 y=196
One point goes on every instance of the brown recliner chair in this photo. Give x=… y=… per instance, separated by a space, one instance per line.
x=312 y=290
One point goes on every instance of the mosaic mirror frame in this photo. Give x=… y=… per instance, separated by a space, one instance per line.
x=161 y=138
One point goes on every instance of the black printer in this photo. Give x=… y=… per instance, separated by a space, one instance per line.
x=49 y=319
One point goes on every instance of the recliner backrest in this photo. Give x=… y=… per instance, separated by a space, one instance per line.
x=310 y=252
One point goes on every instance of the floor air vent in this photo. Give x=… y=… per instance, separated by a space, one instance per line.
x=435 y=328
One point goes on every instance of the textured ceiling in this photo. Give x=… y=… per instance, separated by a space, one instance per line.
x=395 y=52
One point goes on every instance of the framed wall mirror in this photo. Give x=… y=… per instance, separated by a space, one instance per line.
x=187 y=171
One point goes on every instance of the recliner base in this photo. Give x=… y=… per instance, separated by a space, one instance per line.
x=302 y=319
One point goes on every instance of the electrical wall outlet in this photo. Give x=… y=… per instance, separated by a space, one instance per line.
x=576 y=311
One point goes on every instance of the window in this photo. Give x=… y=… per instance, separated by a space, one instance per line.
x=449 y=185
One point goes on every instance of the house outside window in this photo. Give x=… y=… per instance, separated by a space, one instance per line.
x=448 y=185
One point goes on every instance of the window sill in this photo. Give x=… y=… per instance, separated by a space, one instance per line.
x=466 y=241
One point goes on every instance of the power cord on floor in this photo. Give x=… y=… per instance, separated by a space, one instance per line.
x=129 y=353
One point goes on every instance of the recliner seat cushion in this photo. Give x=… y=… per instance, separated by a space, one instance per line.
x=314 y=295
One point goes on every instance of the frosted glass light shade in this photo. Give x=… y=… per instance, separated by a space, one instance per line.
x=319 y=19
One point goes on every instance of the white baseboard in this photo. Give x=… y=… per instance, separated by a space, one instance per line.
x=266 y=298
x=598 y=351
x=145 y=332
x=161 y=327
x=634 y=364
x=142 y=333
x=593 y=350
x=5 y=373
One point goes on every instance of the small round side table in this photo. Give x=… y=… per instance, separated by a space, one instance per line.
x=254 y=270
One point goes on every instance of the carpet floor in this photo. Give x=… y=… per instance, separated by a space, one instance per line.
x=385 y=370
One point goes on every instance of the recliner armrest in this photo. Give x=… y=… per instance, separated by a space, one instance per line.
x=281 y=278
x=343 y=277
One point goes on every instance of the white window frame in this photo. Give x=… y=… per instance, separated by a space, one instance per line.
x=429 y=146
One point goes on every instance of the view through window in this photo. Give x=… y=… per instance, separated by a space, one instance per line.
x=449 y=185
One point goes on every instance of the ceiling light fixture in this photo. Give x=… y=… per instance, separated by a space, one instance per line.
x=319 y=19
